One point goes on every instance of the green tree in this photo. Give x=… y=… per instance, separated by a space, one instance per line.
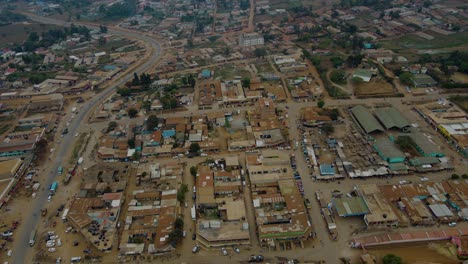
x=392 y=259
x=246 y=82
x=260 y=52
x=455 y=176
x=194 y=148
x=125 y=92
x=175 y=237
x=406 y=78
x=320 y=104
x=183 y=189
x=102 y=41
x=193 y=171
x=136 y=79
x=427 y=3
x=111 y=126
x=464 y=176
x=328 y=128
x=132 y=112
x=131 y=143
x=136 y=155
x=338 y=76
x=152 y=123
x=33 y=36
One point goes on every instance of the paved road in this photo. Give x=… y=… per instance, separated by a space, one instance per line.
x=32 y=217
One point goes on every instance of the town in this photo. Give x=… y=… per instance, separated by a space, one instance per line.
x=244 y=131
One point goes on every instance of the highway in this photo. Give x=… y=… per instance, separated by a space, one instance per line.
x=32 y=215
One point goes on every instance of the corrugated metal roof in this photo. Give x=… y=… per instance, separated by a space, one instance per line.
x=440 y=210
x=388 y=148
x=391 y=118
x=366 y=119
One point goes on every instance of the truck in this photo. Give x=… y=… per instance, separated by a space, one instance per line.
x=32 y=238
x=194 y=213
x=53 y=187
x=36 y=186
x=59 y=170
x=80 y=161
x=65 y=213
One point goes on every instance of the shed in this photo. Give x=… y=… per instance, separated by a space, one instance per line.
x=391 y=118
x=365 y=119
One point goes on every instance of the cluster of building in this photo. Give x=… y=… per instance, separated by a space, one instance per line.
x=219 y=208
x=152 y=210
x=280 y=213
x=426 y=203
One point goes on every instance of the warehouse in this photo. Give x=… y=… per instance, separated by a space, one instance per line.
x=350 y=206
x=423 y=145
x=366 y=120
x=391 y=118
x=388 y=151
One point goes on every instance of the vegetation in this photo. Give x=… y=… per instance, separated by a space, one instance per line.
x=8 y=17
x=338 y=76
x=392 y=259
x=122 y=9
x=177 y=234
x=260 y=52
x=455 y=176
x=152 y=123
x=246 y=82
x=132 y=112
x=194 y=148
x=405 y=78
x=111 y=126
x=193 y=171
x=183 y=189
x=321 y=104
x=328 y=128
x=405 y=143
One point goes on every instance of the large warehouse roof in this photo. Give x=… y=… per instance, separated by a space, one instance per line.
x=388 y=150
x=366 y=119
x=391 y=118
x=350 y=206
x=424 y=145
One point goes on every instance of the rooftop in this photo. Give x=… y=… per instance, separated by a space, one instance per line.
x=366 y=119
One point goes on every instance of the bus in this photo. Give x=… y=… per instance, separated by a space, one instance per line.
x=60 y=170
x=53 y=188
x=32 y=238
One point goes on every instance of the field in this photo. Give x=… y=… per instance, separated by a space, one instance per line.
x=16 y=33
x=403 y=43
x=460 y=77
x=375 y=87
x=229 y=71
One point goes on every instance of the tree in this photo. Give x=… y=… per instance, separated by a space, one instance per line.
x=356 y=80
x=328 y=128
x=152 y=123
x=136 y=155
x=427 y=3
x=102 y=41
x=246 y=82
x=175 y=237
x=406 y=77
x=455 y=176
x=132 y=112
x=183 y=189
x=338 y=76
x=194 y=148
x=464 y=176
x=125 y=92
x=260 y=52
x=131 y=143
x=33 y=36
x=111 y=126
x=179 y=223
x=320 y=103
x=136 y=79
x=392 y=259
x=193 y=171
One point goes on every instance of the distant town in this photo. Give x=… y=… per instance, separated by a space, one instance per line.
x=243 y=131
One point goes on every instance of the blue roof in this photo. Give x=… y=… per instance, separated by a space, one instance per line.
x=168 y=133
x=327 y=169
x=110 y=67
x=206 y=73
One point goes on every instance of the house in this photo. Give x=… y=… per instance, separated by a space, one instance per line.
x=423 y=80
x=251 y=39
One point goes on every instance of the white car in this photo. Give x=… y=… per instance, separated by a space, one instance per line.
x=59 y=242
x=452 y=224
x=403 y=182
x=224 y=251
x=424 y=179
x=49 y=198
x=9 y=253
x=33 y=195
x=51 y=233
x=53 y=237
x=50 y=245
x=52 y=250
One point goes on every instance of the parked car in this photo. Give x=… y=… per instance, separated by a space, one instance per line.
x=237 y=250
x=7 y=234
x=254 y=258
x=452 y=224
x=195 y=249
x=224 y=252
x=194 y=236
x=52 y=250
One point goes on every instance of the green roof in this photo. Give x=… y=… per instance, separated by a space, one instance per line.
x=423 y=144
x=423 y=80
x=366 y=119
x=350 y=206
x=391 y=118
x=363 y=73
x=423 y=161
x=398 y=167
x=388 y=150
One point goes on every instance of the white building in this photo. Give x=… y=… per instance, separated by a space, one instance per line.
x=251 y=39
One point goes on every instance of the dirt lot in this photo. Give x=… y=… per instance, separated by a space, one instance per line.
x=375 y=87
x=460 y=77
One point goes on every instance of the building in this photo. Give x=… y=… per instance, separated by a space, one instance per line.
x=388 y=151
x=381 y=212
x=423 y=80
x=366 y=120
x=251 y=39
x=391 y=118
x=364 y=75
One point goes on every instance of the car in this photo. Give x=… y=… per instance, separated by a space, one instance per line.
x=59 y=242
x=254 y=258
x=194 y=236
x=51 y=245
x=33 y=195
x=68 y=229
x=237 y=250
x=7 y=234
x=58 y=261
x=403 y=182
x=452 y=224
x=49 y=198
x=423 y=179
x=52 y=250
x=224 y=252
x=196 y=248
x=9 y=253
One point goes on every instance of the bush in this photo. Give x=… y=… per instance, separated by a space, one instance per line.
x=465 y=176
x=392 y=259
x=455 y=176
x=338 y=76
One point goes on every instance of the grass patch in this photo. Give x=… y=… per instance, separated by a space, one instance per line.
x=4 y=128
x=229 y=71
x=76 y=149
x=415 y=42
